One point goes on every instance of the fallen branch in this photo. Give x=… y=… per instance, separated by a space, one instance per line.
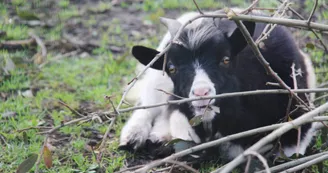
x=17 y=44
x=224 y=95
x=307 y=164
x=261 y=158
x=275 y=134
x=40 y=43
x=294 y=162
x=222 y=140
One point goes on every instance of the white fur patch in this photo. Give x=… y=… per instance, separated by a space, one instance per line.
x=232 y=150
x=161 y=129
x=311 y=77
x=289 y=151
x=181 y=129
x=201 y=80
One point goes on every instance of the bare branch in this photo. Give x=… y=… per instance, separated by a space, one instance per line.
x=294 y=162
x=261 y=158
x=275 y=134
x=200 y=12
x=224 y=95
x=250 y=8
x=312 y=12
x=226 y=139
x=71 y=109
x=307 y=164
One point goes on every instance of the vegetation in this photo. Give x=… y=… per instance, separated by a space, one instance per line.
x=88 y=57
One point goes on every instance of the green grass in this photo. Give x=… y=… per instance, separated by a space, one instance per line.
x=77 y=80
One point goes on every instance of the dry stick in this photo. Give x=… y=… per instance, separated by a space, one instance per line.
x=250 y=8
x=264 y=35
x=249 y=160
x=171 y=94
x=200 y=12
x=286 y=165
x=71 y=109
x=110 y=125
x=183 y=165
x=57 y=57
x=315 y=34
x=289 y=104
x=275 y=134
x=307 y=164
x=224 y=95
x=66 y=124
x=222 y=140
x=261 y=158
x=41 y=154
x=262 y=60
x=313 y=10
x=41 y=44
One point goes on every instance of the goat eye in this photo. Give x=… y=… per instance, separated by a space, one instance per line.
x=226 y=60
x=172 y=69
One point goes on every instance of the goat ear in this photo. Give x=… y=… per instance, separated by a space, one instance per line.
x=144 y=55
x=237 y=39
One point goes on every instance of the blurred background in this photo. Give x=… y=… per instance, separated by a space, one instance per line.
x=78 y=51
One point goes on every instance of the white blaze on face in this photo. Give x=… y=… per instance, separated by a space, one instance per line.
x=201 y=86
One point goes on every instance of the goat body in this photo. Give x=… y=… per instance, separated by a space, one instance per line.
x=212 y=57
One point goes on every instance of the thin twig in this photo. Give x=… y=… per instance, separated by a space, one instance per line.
x=262 y=60
x=307 y=164
x=85 y=118
x=41 y=154
x=188 y=168
x=250 y=8
x=171 y=94
x=200 y=11
x=275 y=134
x=315 y=34
x=71 y=109
x=312 y=12
x=226 y=139
x=294 y=162
x=41 y=44
x=224 y=95
x=261 y=158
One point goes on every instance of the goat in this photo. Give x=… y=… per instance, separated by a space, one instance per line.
x=212 y=57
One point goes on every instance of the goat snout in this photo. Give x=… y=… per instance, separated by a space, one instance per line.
x=201 y=91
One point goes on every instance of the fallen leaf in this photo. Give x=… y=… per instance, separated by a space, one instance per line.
x=27 y=164
x=173 y=141
x=47 y=157
x=310 y=45
x=196 y=120
x=215 y=109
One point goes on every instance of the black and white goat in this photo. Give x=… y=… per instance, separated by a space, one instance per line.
x=212 y=57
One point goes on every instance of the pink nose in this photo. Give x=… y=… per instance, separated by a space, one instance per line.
x=201 y=91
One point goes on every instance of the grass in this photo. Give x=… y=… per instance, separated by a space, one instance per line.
x=81 y=82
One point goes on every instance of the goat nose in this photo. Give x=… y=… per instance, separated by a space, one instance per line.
x=201 y=91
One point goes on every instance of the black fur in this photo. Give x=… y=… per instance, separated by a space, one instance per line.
x=244 y=73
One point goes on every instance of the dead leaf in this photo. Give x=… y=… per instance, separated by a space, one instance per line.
x=38 y=58
x=47 y=157
x=9 y=65
x=215 y=109
x=309 y=45
x=196 y=120
x=27 y=164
